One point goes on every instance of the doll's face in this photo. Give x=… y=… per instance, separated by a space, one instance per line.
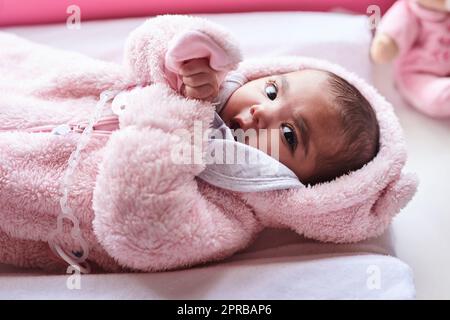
x=436 y=5
x=296 y=107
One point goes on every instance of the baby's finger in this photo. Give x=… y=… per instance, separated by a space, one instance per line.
x=195 y=66
x=202 y=92
x=200 y=79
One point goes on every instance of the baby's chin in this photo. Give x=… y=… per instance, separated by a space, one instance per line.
x=223 y=114
x=231 y=110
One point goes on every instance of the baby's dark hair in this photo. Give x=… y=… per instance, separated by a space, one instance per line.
x=360 y=132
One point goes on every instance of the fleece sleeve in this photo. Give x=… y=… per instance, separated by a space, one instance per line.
x=171 y=38
x=150 y=214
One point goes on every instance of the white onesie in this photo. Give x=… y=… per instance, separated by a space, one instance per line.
x=255 y=170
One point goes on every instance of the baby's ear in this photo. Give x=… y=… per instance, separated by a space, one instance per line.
x=366 y=219
x=396 y=195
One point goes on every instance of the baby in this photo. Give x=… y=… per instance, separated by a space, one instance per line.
x=132 y=207
x=326 y=127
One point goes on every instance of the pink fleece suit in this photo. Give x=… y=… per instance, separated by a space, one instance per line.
x=138 y=210
x=422 y=69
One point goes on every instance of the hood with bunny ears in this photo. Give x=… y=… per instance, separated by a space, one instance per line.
x=137 y=208
x=352 y=207
x=161 y=215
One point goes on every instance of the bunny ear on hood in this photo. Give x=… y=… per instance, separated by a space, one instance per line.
x=353 y=207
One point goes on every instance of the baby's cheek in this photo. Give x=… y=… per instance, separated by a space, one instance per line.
x=271 y=142
x=265 y=140
x=286 y=159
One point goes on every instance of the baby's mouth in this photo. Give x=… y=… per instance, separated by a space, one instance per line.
x=234 y=125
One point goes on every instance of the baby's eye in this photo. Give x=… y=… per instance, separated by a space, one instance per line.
x=289 y=135
x=271 y=90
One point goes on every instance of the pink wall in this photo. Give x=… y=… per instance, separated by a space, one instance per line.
x=14 y=12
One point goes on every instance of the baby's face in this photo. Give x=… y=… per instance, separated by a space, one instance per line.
x=298 y=106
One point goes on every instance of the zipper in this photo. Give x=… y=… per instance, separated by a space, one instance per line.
x=104 y=126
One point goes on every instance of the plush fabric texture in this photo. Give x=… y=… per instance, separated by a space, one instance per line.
x=137 y=209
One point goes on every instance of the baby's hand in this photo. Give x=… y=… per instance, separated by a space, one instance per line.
x=383 y=49
x=199 y=80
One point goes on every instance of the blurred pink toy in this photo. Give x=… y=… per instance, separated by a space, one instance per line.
x=417 y=34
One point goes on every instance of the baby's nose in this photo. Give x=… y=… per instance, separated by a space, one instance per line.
x=260 y=116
